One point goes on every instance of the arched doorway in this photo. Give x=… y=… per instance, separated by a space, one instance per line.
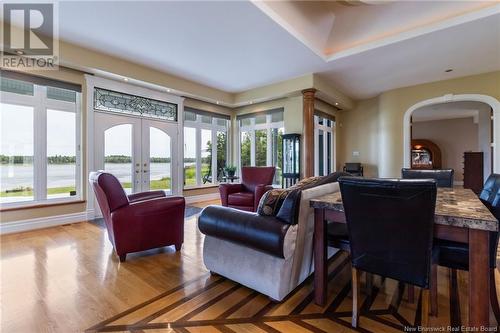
x=491 y=101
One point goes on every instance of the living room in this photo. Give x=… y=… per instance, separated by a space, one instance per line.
x=289 y=91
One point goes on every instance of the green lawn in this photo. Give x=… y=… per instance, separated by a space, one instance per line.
x=29 y=192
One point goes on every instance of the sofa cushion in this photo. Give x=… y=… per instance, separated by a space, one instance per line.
x=262 y=233
x=240 y=199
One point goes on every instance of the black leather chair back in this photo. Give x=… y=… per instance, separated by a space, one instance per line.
x=443 y=177
x=390 y=224
x=490 y=190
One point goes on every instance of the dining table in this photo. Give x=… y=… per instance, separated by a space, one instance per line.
x=459 y=216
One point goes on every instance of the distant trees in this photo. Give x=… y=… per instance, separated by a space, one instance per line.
x=61 y=159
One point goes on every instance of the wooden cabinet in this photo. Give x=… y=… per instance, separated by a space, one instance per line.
x=473 y=171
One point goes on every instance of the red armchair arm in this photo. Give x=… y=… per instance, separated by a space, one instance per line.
x=146 y=196
x=260 y=190
x=227 y=189
x=148 y=223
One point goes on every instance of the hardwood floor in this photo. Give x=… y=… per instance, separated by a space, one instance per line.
x=67 y=279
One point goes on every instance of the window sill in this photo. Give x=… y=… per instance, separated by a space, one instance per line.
x=48 y=203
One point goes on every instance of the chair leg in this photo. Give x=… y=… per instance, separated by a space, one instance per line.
x=411 y=294
x=355 y=297
x=178 y=247
x=369 y=283
x=123 y=257
x=425 y=307
x=434 y=292
x=493 y=296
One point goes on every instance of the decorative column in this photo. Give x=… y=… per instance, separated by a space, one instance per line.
x=308 y=115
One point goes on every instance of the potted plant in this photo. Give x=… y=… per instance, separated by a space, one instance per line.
x=230 y=170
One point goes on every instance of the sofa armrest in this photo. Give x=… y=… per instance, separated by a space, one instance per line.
x=227 y=189
x=146 y=196
x=263 y=233
x=260 y=190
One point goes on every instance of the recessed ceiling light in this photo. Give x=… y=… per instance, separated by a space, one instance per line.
x=448 y=70
x=250 y=102
x=168 y=89
x=125 y=79
x=336 y=103
x=19 y=52
x=217 y=102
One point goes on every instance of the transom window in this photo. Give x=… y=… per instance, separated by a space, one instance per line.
x=324 y=145
x=260 y=140
x=204 y=161
x=40 y=140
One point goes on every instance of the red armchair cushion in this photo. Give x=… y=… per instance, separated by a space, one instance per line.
x=241 y=199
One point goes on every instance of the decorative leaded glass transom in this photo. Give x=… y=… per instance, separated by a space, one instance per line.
x=112 y=101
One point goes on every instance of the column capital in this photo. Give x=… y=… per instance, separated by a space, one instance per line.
x=309 y=92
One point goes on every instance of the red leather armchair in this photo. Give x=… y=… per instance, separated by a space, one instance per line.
x=255 y=181
x=139 y=221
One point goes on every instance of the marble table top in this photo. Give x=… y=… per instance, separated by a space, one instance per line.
x=454 y=206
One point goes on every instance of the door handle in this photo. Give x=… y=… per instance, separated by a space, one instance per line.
x=136 y=171
x=145 y=171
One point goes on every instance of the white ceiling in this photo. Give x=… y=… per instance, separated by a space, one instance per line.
x=452 y=110
x=234 y=46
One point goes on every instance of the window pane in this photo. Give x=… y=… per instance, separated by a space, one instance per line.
x=245 y=149
x=16 y=153
x=260 y=119
x=277 y=152
x=206 y=156
x=221 y=122
x=118 y=154
x=329 y=151
x=320 y=150
x=276 y=117
x=261 y=148
x=61 y=154
x=206 y=119
x=61 y=94
x=191 y=116
x=246 y=122
x=16 y=86
x=189 y=156
x=221 y=154
x=159 y=160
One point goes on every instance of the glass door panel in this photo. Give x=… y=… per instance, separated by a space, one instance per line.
x=160 y=160
x=16 y=153
x=261 y=147
x=118 y=158
x=206 y=156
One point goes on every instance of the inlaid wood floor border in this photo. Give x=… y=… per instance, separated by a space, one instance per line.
x=212 y=303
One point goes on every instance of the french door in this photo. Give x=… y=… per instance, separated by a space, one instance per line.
x=141 y=153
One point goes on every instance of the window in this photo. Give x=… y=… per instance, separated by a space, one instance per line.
x=260 y=140
x=324 y=143
x=204 y=162
x=39 y=140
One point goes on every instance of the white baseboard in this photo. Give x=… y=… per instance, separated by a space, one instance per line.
x=41 y=222
x=458 y=183
x=202 y=197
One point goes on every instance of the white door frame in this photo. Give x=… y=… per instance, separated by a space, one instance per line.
x=491 y=101
x=93 y=81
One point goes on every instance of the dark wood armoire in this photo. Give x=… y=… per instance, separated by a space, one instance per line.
x=473 y=171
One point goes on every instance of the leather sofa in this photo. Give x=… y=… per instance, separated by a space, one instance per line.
x=140 y=221
x=443 y=177
x=255 y=181
x=270 y=254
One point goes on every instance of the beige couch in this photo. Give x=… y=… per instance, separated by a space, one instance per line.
x=273 y=276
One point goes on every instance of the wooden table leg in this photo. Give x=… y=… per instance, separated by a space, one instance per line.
x=320 y=256
x=479 y=282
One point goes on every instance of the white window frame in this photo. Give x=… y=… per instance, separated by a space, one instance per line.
x=198 y=125
x=40 y=104
x=326 y=129
x=268 y=126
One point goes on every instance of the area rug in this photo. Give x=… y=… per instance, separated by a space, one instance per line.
x=212 y=303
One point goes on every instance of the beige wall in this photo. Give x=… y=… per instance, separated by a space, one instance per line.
x=444 y=134
x=375 y=126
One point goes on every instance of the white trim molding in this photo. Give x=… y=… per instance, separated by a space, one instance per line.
x=491 y=101
x=42 y=222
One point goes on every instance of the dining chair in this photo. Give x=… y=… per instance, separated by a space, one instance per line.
x=390 y=225
x=455 y=255
x=443 y=177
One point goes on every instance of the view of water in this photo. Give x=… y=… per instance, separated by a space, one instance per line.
x=60 y=175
